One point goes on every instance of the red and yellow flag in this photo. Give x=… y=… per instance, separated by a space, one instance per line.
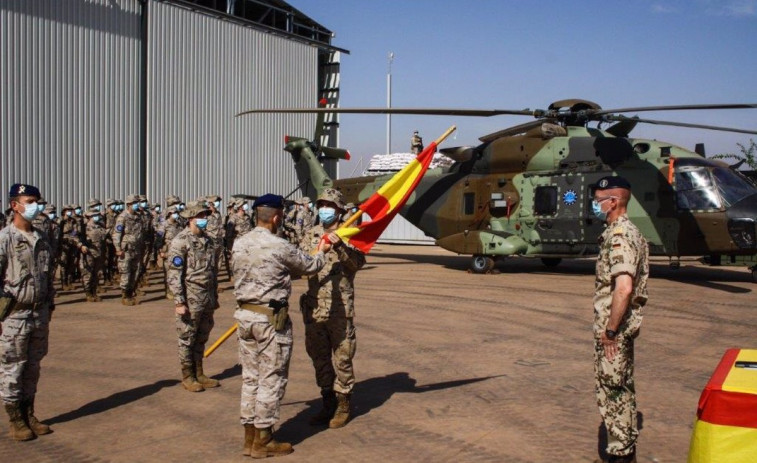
x=383 y=205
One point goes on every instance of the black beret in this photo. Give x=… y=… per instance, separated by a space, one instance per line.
x=609 y=183
x=21 y=189
x=269 y=200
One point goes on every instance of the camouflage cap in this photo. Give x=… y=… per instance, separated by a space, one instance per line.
x=304 y=201
x=193 y=208
x=333 y=196
x=110 y=201
x=93 y=202
x=142 y=197
x=49 y=208
x=131 y=199
x=237 y=202
x=171 y=209
x=90 y=214
x=172 y=199
x=41 y=200
x=212 y=198
x=68 y=206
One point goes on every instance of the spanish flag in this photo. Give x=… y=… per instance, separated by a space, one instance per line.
x=726 y=427
x=383 y=205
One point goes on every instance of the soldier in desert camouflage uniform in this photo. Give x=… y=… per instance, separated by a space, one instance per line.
x=92 y=247
x=264 y=266
x=328 y=309
x=238 y=223
x=110 y=262
x=127 y=234
x=299 y=220
x=215 y=229
x=193 y=281
x=620 y=293
x=54 y=235
x=26 y=295
x=171 y=227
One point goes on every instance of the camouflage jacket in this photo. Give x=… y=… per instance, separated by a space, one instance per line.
x=264 y=265
x=331 y=292
x=622 y=249
x=191 y=271
x=95 y=238
x=170 y=230
x=127 y=233
x=26 y=266
x=71 y=234
x=43 y=222
x=215 y=229
x=237 y=226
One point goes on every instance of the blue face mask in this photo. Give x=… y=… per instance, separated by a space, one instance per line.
x=181 y=207
x=41 y=207
x=175 y=216
x=202 y=224
x=246 y=207
x=78 y=211
x=69 y=213
x=327 y=215
x=157 y=208
x=135 y=207
x=143 y=204
x=31 y=211
x=51 y=215
x=596 y=207
x=113 y=207
x=217 y=204
x=96 y=218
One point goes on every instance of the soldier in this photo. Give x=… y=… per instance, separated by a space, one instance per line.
x=147 y=239
x=43 y=222
x=171 y=227
x=416 y=143
x=193 y=281
x=54 y=235
x=26 y=306
x=328 y=309
x=215 y=226
x=79 y=217
x=70 y=231
x=300 y=219
x=238 y=222
x=127 y=241
x=351 y=209
x=112 y=209
x=95 y=205
x=93 y=253
x=173 y=200
x=619 y=295
x=157 y=238
x=264 y=265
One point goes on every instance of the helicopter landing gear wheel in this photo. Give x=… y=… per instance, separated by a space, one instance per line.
x=551 y=261
x=482 y=264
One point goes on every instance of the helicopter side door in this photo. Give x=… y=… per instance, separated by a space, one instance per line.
x=558 y=213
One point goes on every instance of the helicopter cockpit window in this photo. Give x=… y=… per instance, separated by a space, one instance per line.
x=732 y=186
x=695 y=189
x=545 y=200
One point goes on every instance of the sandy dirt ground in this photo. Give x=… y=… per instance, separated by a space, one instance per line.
x=451 y=366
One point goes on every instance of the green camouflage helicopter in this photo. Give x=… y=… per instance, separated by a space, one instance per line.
x=527 y=190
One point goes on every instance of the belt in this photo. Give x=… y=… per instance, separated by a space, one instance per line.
x=257 y=308
x=24 y=306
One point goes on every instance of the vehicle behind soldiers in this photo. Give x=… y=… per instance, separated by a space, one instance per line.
x=26 y=295
x=193 y=281
x=328 y=310
x=93 y=245
x=264 y=265
x=129 y=247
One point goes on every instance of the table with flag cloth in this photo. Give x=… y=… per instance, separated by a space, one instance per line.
x=726 y=427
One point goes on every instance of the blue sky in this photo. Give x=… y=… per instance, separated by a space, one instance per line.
x=524 y=54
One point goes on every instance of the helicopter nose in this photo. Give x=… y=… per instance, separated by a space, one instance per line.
x=741 y=222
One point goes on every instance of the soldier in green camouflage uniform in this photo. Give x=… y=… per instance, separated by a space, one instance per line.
x=92 y=247
x=26 y=279
x=328 y=310
x=127 y=241
x=193 y=281
x=264 y=266
x=620 y=293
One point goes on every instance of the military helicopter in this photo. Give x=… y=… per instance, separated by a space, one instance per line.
x=527 y=190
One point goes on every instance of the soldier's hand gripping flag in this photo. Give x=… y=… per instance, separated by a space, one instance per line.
x=383 y=205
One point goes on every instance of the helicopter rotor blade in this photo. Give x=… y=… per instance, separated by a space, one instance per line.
x=678 y=124
x=406 y=111
x=514 y=130
x=601 y=112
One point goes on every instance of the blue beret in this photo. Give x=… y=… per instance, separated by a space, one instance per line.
x=609 y=183
x=269 y=200
x=21 y=189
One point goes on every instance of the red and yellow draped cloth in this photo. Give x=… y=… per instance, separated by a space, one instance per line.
x=726 y=427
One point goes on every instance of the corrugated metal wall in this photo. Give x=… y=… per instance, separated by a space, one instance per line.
x=203 y=71
x=69 y=96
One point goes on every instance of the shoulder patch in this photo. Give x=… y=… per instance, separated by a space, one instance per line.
x=177 y=261
x=618 y=231
x=119 y=228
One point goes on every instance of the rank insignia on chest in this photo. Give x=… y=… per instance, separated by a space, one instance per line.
x=618 y=231
x=119 y=228
x=177 y=261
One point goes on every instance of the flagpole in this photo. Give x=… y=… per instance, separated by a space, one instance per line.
x=347 y=223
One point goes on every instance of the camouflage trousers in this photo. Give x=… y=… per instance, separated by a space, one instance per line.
x=331 y=345
x=193 y=329
x=264 y=354
x=24 y=345
x=616 y=396
x=67 y=264
x=128 y=267
x=91 y=267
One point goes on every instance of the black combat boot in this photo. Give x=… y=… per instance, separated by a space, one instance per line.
x=327 y=410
